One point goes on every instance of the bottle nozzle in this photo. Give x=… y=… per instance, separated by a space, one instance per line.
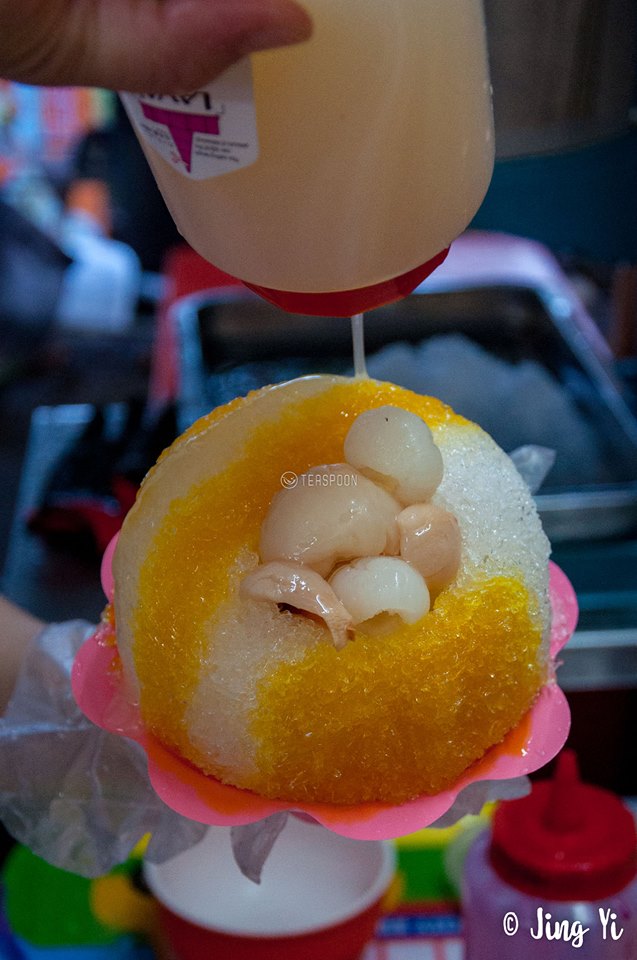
x=563 y=813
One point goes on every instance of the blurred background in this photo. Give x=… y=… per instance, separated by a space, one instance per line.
x=114 y=335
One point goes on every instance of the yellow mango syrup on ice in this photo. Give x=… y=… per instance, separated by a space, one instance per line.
x=333 y=590
x=338 y=165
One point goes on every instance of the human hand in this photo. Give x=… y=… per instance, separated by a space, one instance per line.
x=163 y=46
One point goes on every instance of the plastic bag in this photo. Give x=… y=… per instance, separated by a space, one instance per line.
x=79 y=797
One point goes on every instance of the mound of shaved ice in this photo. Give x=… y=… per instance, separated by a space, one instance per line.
x=259 y=697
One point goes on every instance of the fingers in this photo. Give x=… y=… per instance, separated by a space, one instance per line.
x=164 y=46
x=193 y=41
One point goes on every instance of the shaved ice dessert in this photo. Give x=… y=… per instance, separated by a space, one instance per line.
x=333 y=590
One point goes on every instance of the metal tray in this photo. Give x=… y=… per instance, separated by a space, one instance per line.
x=231 y=342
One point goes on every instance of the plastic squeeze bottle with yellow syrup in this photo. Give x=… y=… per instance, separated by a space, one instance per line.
x=332 y=176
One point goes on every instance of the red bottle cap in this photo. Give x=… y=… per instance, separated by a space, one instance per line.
x=566 y=840
x=346 y=303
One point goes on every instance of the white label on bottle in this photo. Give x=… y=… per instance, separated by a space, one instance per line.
x=205 y=133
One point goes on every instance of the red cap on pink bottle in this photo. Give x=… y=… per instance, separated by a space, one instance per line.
x=566 y=840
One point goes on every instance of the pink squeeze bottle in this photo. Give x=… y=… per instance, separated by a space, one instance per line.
x=556 y=877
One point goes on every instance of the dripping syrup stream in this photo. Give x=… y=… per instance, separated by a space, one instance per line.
x=358 y=344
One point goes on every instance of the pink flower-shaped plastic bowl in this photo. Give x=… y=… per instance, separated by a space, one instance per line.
x=99 y=689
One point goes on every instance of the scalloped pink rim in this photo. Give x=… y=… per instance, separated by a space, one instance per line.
x=98 y=687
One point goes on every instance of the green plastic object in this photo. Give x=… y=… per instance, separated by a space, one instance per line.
x=422 y=871
x=49 y=907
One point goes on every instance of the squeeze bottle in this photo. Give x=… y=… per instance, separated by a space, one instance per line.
x=555 y=878
x=331 y=176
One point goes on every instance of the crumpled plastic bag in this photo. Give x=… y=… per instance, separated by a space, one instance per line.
x=252 y=843
x=533 y=463
x=77 y=796
x=472 y=799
